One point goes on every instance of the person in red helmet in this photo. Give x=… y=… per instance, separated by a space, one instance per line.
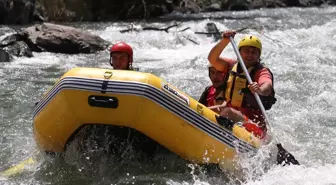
x=121 y=56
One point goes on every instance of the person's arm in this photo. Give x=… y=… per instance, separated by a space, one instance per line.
x=263 y=84
x=264 y=89
x=214 y=58
x=218 y=108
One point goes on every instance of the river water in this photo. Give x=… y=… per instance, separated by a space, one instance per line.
x=298 y=46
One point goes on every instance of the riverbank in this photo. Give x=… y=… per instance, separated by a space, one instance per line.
x=29 y=11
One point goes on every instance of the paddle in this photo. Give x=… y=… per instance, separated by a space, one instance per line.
x=283 y=156
x=20 y=167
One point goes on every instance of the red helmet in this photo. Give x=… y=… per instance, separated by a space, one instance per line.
x=123 y=47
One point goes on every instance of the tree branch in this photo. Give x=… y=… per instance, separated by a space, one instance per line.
x=166 y=29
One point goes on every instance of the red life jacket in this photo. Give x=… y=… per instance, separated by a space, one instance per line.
x=210 y=97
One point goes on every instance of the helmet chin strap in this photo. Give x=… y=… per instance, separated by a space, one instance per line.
x=129 y=63
x=111 y=61
x=209 y=71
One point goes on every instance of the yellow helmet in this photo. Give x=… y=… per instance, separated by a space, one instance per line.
x=250 y=40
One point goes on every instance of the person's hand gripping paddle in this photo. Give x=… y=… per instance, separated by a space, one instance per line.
x=283 y=156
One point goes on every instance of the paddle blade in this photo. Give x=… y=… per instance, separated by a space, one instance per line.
x=19 y=168
x=284 y=157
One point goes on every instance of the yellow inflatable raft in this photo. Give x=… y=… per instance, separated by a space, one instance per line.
x=140 y=101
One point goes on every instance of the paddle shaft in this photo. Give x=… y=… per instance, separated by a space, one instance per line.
x=249 y=80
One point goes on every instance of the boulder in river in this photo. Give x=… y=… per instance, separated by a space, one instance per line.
x=63 y=39
x=48 y=37
x=13 y=45
x=5 y=56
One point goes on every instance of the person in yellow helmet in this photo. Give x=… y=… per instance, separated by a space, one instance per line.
x=240 y=104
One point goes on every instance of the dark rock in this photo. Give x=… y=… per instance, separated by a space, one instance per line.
x=24 y=36
x=189 y=7
x=63 y=39
x=5 y=56
x=49 y=37
x=236 y=5
x=20 y=11
x=10 y=39
x=19 y=49
x=212 y=28
x=15 y=37
x=88 y=10
x=268 y=4
x=27 y=11
x=32 y=33
x=213 y=8
x=292 y=3
x=39 y=12
x=130 y=9
x=13 y=45
x=4 y=10
x=307 y=3
x=6 y=30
